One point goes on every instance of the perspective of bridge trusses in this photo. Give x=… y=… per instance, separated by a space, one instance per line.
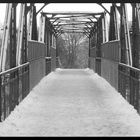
x=73 y=22
x=53 y=24
x=62 y=22
x=29 y=52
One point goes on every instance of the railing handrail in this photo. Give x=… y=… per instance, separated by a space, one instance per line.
x=129 y=67
x=35 y=41
x=15 y=68
x=117 y=40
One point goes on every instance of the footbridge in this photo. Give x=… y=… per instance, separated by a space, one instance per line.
x=29 y=53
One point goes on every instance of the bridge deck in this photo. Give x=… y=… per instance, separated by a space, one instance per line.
x=72 y=103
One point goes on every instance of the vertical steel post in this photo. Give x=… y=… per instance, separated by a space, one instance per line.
x=0 y=100
x=13 y=97
x=126 y=55
x=24 y=42
x=21 y=33
x=135 y=34
x=89 y=53
x=13 y=37
x=134 y=96
x=34 y=24
x=5 y=39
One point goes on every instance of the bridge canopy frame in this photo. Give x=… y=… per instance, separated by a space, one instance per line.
x=93 y=25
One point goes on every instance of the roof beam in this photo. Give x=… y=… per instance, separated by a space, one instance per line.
x=73 y=32
x=79 y=20
x=72 y=29
x=72 y=16
x=71 y=13
x=104 y=8
x=65 y=24
x=41 y=8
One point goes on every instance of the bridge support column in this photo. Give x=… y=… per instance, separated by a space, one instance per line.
x=14 y=77
x=135 y=84
x=92 y=47
x=53 y=53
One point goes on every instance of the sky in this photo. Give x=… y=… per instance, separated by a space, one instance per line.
x=91 y=7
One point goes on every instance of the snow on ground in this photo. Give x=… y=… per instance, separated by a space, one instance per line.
x=72 y=103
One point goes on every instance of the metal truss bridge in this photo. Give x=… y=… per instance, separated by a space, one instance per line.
x=28 y=54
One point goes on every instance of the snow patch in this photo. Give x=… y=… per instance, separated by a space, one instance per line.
x=64 y=105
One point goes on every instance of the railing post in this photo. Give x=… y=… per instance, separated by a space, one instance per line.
x=135 y=53
x=20 y=85
x=129 y=84
x=134 y=89
x=0 y=100
x=9 y=90
x=48 y=65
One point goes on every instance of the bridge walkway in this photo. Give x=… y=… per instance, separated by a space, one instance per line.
x=74 y=102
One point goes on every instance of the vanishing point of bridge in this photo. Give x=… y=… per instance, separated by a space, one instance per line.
x=28 y=54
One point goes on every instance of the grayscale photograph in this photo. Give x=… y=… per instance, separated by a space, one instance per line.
x=69 y=69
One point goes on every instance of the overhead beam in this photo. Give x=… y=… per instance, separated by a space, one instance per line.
x=86 y=30
x=92 y=20
x=72 y=29
x=104 y=8
x=72 y=24
x=72 y=13
x=73 y=32
x=41 y=8
x=79 y=20
x=72 y=16
x=94 y=17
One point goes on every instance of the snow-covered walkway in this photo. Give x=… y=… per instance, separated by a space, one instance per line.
x=72 y=103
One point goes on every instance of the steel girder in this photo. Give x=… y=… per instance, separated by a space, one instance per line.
x=55 y=25
x=126 y=54
x=136 y=34
x=14 y=42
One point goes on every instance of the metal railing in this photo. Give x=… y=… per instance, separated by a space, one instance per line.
x=98 y=65
x=14 y=87
x=57 y=62
x=48 y=65
x=110 y=50
x=129 y=84
x=36 y=50
x=93 y=52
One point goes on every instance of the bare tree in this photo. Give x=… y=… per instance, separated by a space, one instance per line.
x=72 y=41
x=70 y=47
